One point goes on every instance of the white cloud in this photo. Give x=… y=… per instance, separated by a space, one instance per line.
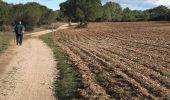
x=162 y=2
x=141 y=4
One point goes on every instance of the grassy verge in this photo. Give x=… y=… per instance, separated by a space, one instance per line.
x=5 y=39
x=67 y=84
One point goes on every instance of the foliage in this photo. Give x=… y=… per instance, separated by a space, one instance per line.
x=141 y=15
x=92 y=10
x=128 y=15
x=31 y=14
x=4 y=11
x=82 y=10
x=159 y=13
x=112 y=12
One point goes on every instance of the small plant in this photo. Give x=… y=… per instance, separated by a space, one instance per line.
x=165 y=73
x=112 y=91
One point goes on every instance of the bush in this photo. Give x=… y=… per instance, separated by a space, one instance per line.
x=5 y=39
x=29 y=28
x=5 y=28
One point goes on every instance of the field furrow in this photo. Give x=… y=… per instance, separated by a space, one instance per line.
x=120 y=61
x=101 y=67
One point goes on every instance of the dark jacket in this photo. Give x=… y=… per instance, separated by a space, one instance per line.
x=19 y=29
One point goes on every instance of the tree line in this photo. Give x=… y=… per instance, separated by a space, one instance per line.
x=93 y=10
x=31 y=14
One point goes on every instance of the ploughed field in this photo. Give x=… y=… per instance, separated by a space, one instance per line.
x=120 y=60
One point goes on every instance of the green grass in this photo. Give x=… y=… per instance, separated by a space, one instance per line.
x=165 y=73
x=5 y=39
x=67 y=83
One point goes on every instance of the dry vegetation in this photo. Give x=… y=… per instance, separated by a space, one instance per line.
x=120 y=60
x=5 y=39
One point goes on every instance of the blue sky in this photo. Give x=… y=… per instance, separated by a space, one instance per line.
x=132 y=4
x=52 y=4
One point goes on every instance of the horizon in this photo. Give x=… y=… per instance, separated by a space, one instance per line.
x=133 y=5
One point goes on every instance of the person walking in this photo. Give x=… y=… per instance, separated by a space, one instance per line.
x=19 y=31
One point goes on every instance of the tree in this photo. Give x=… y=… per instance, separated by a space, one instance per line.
x=81 y=10
x=50 y=16
x=32 y=14
x=16 y=13
x=159 y=13
x=107 y=16
x=128 y=15
x=4 y=12
x=80 y=15
x=66 y=9
x=43 y=19
x=141 y=15
x=112 y=12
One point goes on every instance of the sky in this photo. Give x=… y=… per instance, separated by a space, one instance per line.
x=132 y=4
x=52 y=4
x=141 y=4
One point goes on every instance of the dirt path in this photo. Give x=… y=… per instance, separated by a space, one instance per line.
x=27 y=72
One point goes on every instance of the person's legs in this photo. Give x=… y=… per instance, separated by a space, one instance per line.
x=17 y=38
x=21 y=37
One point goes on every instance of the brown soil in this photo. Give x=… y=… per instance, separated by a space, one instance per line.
x=121 y=60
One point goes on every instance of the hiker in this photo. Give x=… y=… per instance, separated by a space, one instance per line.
x=19 y=31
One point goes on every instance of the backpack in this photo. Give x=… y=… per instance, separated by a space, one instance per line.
x=19 y=29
